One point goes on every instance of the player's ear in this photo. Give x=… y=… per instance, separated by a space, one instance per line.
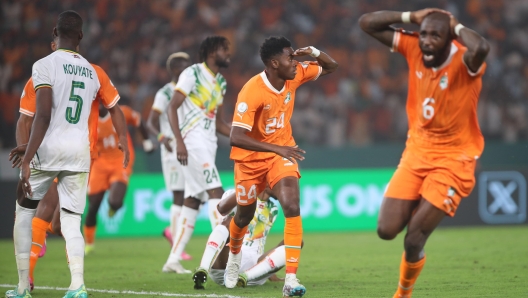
x=274 y=63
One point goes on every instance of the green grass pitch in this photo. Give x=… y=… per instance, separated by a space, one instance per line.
x=463 y=262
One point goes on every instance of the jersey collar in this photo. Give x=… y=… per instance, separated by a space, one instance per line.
x=208 y=70
x=268 y=84
x=68 y=51
x=452 y=52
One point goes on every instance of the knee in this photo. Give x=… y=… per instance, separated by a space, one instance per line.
x=243 y=220
x=292 y=209
x=386 y=233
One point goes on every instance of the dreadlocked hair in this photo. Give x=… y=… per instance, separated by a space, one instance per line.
x=210 y=45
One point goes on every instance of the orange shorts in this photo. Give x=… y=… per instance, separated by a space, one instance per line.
x=440 y=180
x=105 y=172
x=251 y=178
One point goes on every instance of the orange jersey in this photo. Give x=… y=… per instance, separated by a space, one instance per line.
x=107 y=138
x=107 y=94
x=442 y=102
x=266 y=111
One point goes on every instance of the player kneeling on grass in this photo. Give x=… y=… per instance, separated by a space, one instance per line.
x=256 y=266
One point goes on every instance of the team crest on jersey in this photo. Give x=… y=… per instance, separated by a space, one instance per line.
x=443 y=81
x=288 y=98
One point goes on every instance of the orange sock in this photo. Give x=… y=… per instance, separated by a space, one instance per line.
x=236 y=235
x=89 y=234
x=408 y=275
x=39 y=236
x=50 y=228
x=292 y=242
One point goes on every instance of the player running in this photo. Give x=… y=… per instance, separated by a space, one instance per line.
x=256 y=266
x=264 y=150
x=158 y=125
x=107 y=173
x=195 y=114
x=59 y=147
x=444 y=140
x=47 y=216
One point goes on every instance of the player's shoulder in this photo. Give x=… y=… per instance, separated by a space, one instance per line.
x=255 y=85
x=167 y=89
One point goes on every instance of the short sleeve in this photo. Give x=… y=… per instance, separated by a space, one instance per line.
x=308 y=71
x=161 y=100
x=186 y=81
x=107 y=92
x=28 y=100
x=42 y=74
x=404 y=42
x=246 y=107
x=131 y=117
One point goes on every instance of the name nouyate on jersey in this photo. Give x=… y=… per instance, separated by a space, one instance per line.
x=74 y=84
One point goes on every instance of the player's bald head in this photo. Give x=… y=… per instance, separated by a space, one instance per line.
x=69 y=25
x=437 y=20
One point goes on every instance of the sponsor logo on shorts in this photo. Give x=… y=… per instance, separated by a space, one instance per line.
x=502 y=197
x=213 y=244
x=206 y=165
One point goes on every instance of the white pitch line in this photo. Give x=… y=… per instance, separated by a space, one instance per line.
x=130 y=292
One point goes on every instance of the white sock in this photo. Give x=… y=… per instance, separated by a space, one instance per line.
x=214 y=216
x=71 y=231
x=22 y=236
x=271 y=263
x=175 y=211
x=184 y=232
x=215 y=244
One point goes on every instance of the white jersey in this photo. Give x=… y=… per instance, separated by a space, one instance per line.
x=259 y=227
x=74 y=84
x=161 y=104
x=204 y=93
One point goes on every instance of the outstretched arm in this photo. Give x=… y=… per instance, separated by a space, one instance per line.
x=477 y=46
x=378 y=24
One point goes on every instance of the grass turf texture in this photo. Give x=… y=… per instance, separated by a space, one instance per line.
x=464 y=262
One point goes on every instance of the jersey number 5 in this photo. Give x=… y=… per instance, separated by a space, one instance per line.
x=427 y=108
x=73 y=116
x=272 y=124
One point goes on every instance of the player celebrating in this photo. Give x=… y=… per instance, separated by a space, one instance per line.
x=158 y=124
x=195 y=114
x=264 y=150
x=65 y=85
x=260 y=266
x=47 y=217
x=106 y=173
x=437 y=167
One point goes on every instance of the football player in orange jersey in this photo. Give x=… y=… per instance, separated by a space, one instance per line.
x=446 y=63
x=106 y=173
x=47 y=217
x=265 y=152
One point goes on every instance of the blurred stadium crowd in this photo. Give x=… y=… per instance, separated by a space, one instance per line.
x=361 y=104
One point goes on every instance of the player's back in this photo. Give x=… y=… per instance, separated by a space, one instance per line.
x=442 y=103
x=74 y=84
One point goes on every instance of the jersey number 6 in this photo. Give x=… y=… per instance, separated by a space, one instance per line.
x=71 y=116
x=427 y=108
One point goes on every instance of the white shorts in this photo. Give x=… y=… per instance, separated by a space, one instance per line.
x=72 y=187
x=200 y=174
x=172 y=169
x=250 y=258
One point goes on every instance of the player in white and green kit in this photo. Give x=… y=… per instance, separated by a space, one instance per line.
x=195 y=115
x=158 y=124
x=256 y=266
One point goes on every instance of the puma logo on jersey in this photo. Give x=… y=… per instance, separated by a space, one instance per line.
x=267 y=107
x=419 y=74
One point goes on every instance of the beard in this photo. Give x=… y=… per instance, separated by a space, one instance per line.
x=439 y=56
x=222 y=63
